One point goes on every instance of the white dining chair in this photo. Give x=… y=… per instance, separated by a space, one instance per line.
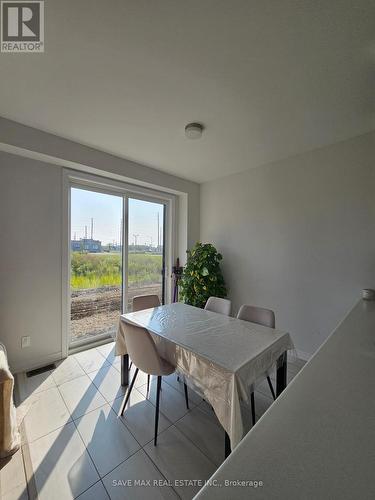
x=141 y=302
x=264 y=317
x=218 y=305
x=141 y=348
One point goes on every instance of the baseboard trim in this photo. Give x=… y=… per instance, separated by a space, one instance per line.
x=90 y=345
x=56 y=356
x=36 y=363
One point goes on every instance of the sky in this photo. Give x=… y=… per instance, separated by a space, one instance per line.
x=106 y=210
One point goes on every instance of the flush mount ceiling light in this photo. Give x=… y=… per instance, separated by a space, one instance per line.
x=194 y=130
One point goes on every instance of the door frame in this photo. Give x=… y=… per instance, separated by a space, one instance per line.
x=72 y=178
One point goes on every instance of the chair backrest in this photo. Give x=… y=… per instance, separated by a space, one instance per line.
x=258 y=315
x=142 y=350
x=218 y=305
x=145 y=302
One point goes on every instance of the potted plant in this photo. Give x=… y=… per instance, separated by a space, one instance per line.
x=202 y=277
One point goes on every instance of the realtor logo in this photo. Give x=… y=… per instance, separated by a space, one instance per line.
x=22 y=26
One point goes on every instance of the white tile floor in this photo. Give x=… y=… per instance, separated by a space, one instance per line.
x=76 y=446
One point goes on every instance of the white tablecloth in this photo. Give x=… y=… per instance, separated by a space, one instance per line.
x=220 y=356
x=317 y=440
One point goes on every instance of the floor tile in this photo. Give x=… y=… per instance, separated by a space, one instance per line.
x=178 y=458
x=107 y=439
x=90 y=360
x=66 y=370
x=35 y=384
x=245 y=414
x=206 y=407
x=18 y=493
x=203 y=431
x=108 y=381
x=172 y=402
x=96 y=492
x=297 y=362
x=263 y=387
x=262 y=403
x=81 y=396
x=139 y=417
x=294 y=369
x=62 y=467
x=121 y=482
x=12 y=475
x=47 y=413
x=294 y=366
x=108 y=352
x=141 y=376
x=179 y=386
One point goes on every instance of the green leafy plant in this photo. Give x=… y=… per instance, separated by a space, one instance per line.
x=202 y=277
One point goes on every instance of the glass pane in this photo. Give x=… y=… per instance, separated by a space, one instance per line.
x=146 y=247
x=96 y=264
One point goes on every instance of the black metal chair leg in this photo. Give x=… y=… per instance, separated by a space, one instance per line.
x=227 y=446
x=157 y=409
x=186 y=395
x=271 y=388
x=253 y=408
x=126 y=399
x=148 y=386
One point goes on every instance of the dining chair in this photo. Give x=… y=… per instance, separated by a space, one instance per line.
x=218 y=305
x=264 y=317
x=145 y=302
x=141 y=302
x=144 y=354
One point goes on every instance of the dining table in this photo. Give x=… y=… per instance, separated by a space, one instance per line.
x=220 y=357
x=317 y=440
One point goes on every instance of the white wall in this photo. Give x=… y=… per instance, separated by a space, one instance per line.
x=298 y=235
x=31 y=232
x=34 y=143
x=30 y=259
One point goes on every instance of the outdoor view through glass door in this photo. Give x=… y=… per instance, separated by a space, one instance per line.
x=97 y=281
x=96 y=264
x=145 y=249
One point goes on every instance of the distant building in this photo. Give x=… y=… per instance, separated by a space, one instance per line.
x=111 y=247
x=86 y=245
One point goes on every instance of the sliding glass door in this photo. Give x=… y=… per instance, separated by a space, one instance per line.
x=145 y=250
x=117 y=251
x=96 y=258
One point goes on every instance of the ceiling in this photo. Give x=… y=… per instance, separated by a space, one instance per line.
x=268 y=79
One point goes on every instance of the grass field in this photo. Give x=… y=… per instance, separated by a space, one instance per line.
x=104 y=269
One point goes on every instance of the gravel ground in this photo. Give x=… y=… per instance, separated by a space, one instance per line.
x=97 y=311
